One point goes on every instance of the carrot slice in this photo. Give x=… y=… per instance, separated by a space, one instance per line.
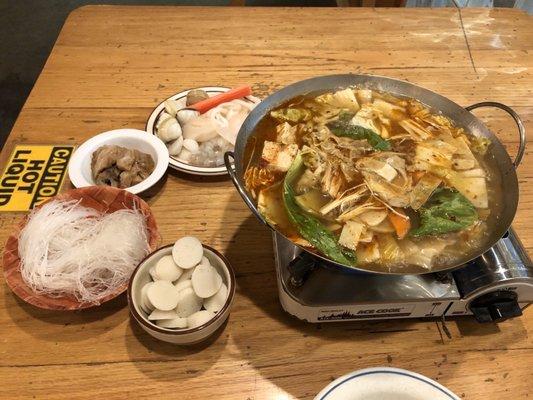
x=417 y=175
x=232 y=94
x=401 y=224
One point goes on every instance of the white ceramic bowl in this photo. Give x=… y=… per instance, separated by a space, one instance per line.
x=181 y=99
x=385 y=383
x=79 y=169
x=188 y=336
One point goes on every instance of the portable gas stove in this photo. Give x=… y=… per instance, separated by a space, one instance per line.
x=494 y=287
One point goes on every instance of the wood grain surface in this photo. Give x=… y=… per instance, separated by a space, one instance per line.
x=112 y=65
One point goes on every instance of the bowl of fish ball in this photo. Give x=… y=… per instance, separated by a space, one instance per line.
x=182 y=293
x=199 y=125
x=125 y=158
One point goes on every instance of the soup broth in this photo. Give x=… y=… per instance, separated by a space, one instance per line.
x=366 y=178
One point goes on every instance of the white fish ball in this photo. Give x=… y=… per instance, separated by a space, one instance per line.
x=171 y=107
x=188 y=303
x=191 y=145
x=144 y=303
x=205 y=261
x=153 y=274
x=158 y=314
x=163 y=295
x=205 y=281
x=183 y=285
x=167 y=270
x=175 y=146
x=185 y=155
x=187 y=252
x=199 y=318
x=177 y=322
x=217 y=301
x=185 y=115
x=169 y=130
x=186 y=276
x=164 y=116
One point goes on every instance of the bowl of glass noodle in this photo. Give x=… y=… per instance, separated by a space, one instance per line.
x=79 y=249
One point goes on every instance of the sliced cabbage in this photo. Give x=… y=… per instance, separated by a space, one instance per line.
x=389 y=249
x=368 y=253
x=311 y=201
x=388 y=109
x=417 y=131
x=423 y=190
x=286 y=133
x=387 y=192
x=373 y=217
x=291 y=114
x=364 y=96
x=342 y=99
x=378 y=167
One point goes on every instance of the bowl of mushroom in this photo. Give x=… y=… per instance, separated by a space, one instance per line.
x=182 y=293
x=199 y=125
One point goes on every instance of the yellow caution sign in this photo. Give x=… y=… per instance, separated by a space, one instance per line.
x=33 y=174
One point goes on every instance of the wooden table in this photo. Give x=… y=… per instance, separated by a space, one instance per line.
x=112 y=65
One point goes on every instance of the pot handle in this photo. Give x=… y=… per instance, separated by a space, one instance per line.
x=517 y=119
x=233 y=176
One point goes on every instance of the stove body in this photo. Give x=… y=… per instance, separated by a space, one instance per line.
x=494 y=287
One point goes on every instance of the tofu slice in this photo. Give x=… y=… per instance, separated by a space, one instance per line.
x=351 y=232
x=279 y=156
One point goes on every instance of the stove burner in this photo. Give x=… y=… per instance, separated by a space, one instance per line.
x=313 y=290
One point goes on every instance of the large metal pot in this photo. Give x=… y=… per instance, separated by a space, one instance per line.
x=500 y=159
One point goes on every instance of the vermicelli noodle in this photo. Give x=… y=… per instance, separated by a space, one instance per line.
x=68 y=249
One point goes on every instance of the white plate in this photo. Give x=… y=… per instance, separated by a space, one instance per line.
x=79 y=168
x=384 y=383
x=181 y=98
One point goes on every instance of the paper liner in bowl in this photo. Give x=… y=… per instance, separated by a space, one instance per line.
x=102 y=198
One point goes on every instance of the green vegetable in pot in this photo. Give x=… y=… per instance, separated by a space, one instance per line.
x=308 y=226
x=446 y=211
x=342 y=128
x=291 y=114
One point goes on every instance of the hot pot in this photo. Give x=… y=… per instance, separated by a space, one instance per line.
x=462 y=116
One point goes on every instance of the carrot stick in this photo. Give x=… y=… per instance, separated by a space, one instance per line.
x=232 y=94
x=401 y=224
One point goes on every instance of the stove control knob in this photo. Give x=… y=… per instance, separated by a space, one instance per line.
x=495 y=306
